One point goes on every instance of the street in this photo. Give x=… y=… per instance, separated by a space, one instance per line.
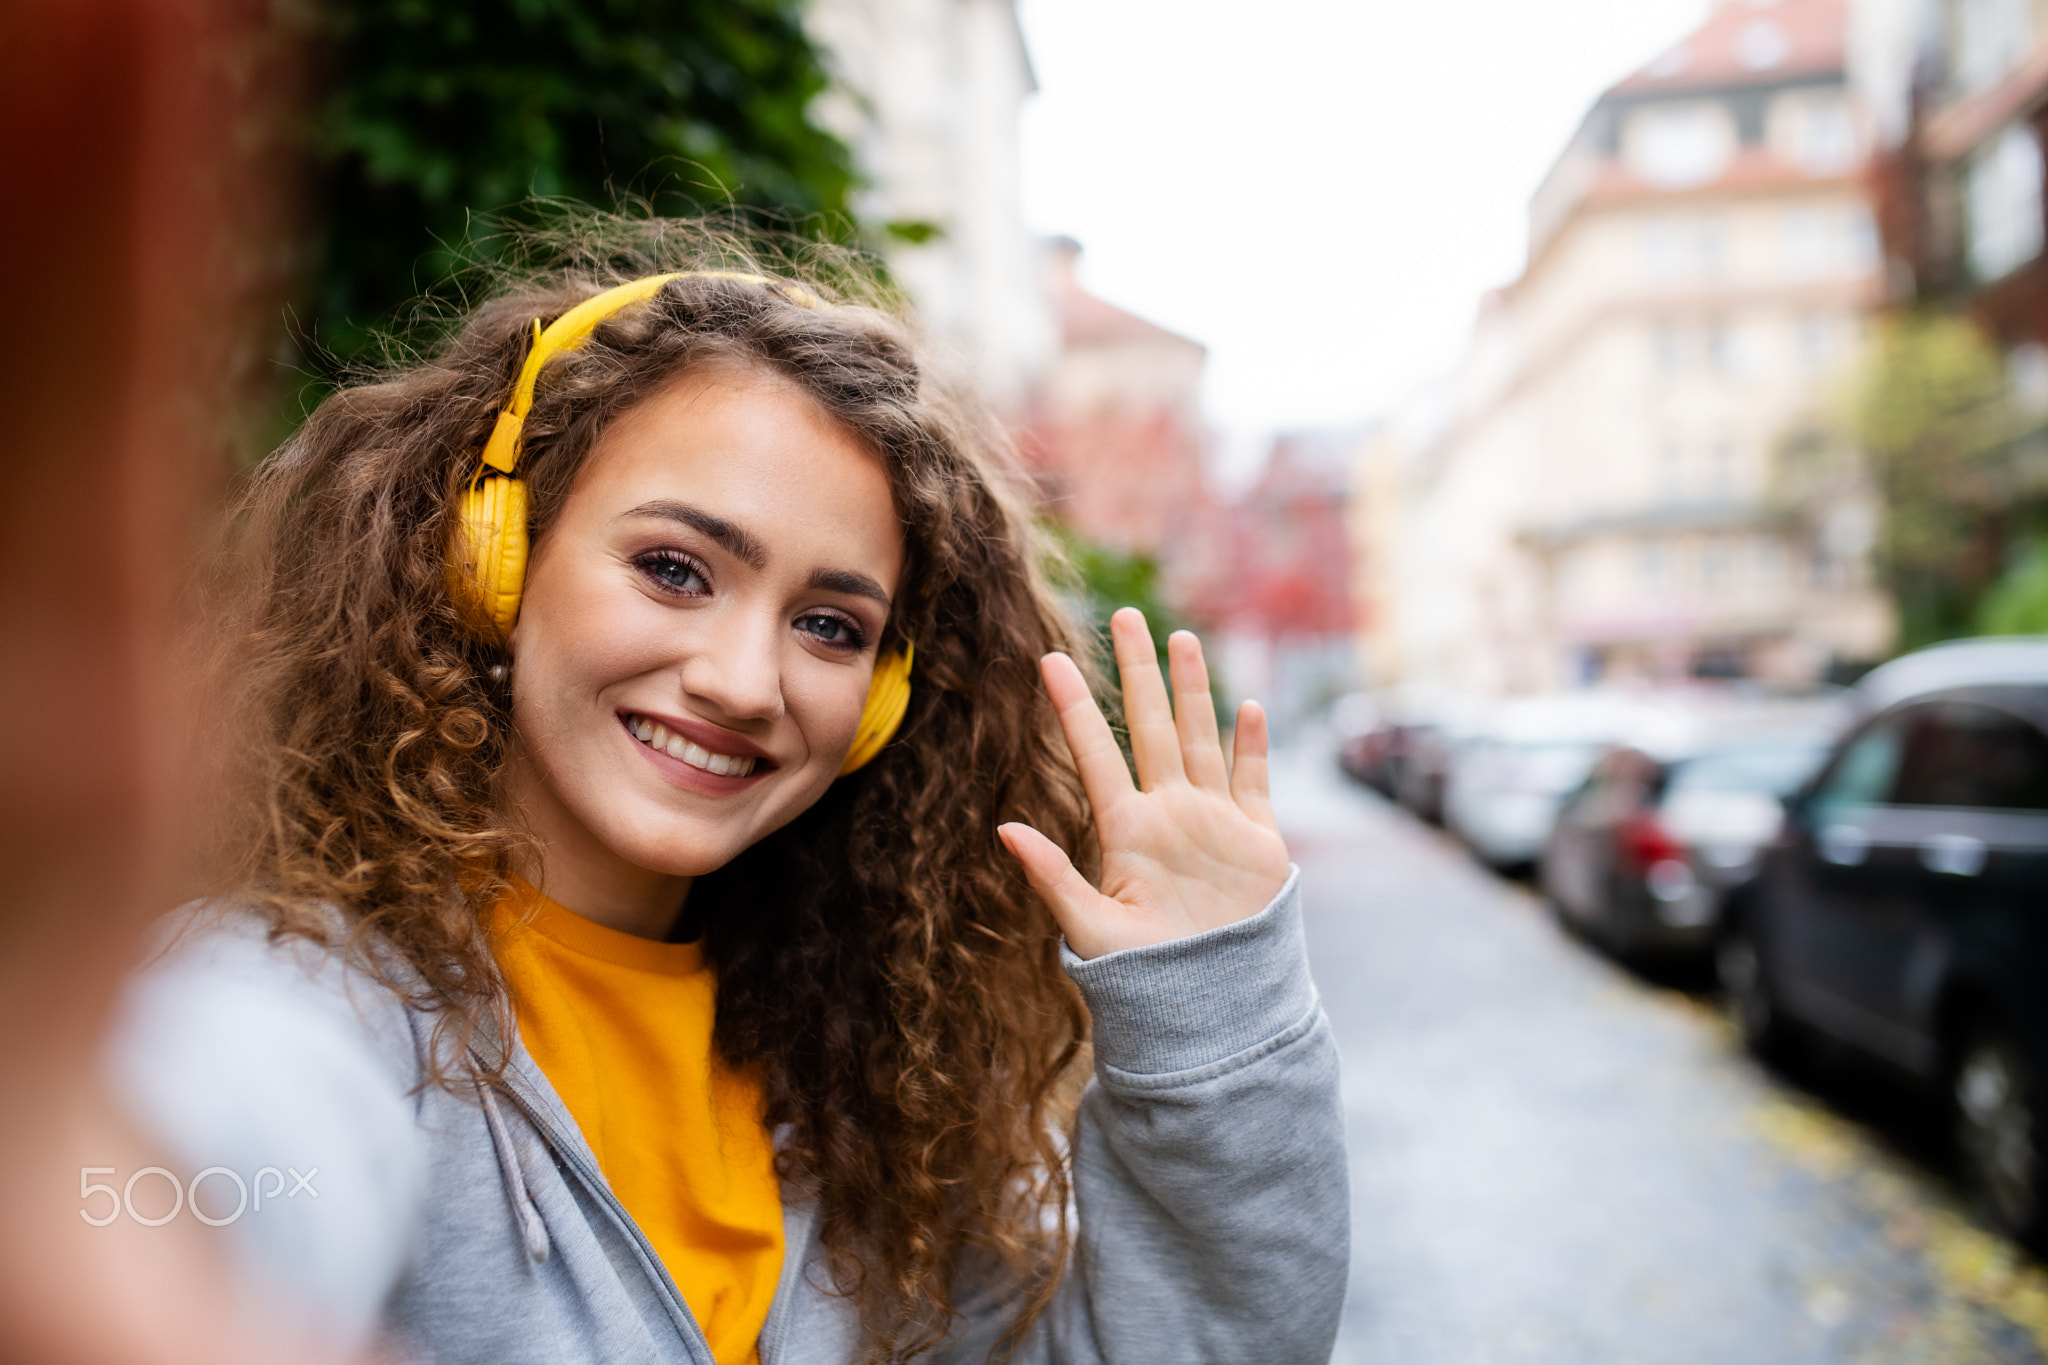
x=1554 y=1160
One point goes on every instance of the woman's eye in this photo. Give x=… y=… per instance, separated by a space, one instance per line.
x=836 y=631
x=673 y=573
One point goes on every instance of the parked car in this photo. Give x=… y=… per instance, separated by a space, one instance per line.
x=1372 y=757
x=1903 y=908
x=1506 y=780
x=1404 y=756
x=1503 y=794
x=1645 y=854
x=1420 y=761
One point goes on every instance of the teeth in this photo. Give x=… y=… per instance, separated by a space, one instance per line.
x=656 y=735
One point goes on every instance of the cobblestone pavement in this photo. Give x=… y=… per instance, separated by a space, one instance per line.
x=1553 y=1160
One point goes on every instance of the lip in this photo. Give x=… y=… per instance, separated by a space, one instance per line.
x=712 y=737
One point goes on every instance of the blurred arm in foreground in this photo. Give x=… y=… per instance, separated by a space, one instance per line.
x=140 y=143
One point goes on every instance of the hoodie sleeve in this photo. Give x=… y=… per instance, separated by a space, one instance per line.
x=1209 y=1169
x=281 y=1075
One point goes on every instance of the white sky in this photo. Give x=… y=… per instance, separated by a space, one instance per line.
x=1317 y=189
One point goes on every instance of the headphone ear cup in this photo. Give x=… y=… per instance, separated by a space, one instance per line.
x=487 y=556
x=888 y=700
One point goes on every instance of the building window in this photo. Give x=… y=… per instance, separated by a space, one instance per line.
x=1990 y=37
x=1769 y=562
x=1712 y=239
x=1713 y=564
x=1820 y=241
x=1816 y=132
x=1720 y=478
x=1667 y=346
x=1675 y=145
x=1806 y=242
x=2002 y=194
x=1860 y=231
x=1812 y=330
x=1727 y=349
x=1578 y=576
x=1671 y=468
x=1653 y=565
x=1679 y=246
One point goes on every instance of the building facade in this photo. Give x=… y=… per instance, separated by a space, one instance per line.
x=1960 y=93
x=1615 y=484
x=1115 y=433
x=1273 y=587
x=928 y=94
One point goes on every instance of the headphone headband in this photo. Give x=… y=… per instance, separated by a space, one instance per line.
x=486 y=570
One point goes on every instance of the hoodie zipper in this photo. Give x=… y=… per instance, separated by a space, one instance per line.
x=796 y=1249
x=594 y=1181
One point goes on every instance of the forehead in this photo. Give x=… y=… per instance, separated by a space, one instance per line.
x=754 y=449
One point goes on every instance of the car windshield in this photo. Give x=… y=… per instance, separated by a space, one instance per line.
x=1552 y=766
x=1775 y=768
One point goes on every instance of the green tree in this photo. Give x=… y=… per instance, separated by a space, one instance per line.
x=1962 y=480
x=1099 y=580
x=2018 y=602
x=441 y=115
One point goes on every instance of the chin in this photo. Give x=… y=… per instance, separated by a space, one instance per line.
x=681 y=849
x=684 y=847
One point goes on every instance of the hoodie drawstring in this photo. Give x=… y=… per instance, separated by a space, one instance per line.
x=523 y=1207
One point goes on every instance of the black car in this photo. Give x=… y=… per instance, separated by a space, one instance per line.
x=1903 y=911
x=1647 y=851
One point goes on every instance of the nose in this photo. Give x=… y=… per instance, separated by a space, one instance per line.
x=736 y=672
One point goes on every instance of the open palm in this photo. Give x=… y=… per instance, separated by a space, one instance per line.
x=1193 y=845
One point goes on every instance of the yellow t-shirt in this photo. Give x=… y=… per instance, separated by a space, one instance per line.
x=621 y=1027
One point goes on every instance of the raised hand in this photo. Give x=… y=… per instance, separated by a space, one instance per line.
x=1192 y=846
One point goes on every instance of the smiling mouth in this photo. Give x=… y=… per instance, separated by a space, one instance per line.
x=655 y=735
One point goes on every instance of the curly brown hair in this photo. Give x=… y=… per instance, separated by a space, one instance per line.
x=881 y=965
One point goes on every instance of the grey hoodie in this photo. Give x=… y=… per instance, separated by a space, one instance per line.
x=1208 y=1169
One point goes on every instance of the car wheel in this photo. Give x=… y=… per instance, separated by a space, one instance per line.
x=1996 y=1100
x=1747 y=987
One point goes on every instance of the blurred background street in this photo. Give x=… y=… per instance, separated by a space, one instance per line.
x=1557 y=1160
x=1609 y=436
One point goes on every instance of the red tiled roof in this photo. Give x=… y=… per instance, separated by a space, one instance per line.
x=1749 y=42
x=1085 y=319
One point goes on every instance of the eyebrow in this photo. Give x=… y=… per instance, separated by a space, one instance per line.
x=734 y=539
x=845 y=580
x=742 y=545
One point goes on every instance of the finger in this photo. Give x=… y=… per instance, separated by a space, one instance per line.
x=1155 y=745
x=1096 y=755
x=1194 y=712
x=1053 y=876
x=1248 y=776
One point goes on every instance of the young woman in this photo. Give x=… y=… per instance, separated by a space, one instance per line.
x=626 y=933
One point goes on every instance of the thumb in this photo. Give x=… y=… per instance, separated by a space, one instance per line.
x=1064 y=890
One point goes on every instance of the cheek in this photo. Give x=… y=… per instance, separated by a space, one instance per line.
x=573 y=623
x=827 y=705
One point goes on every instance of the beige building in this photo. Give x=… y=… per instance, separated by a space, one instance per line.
x=928 y=94
x=1613 y=486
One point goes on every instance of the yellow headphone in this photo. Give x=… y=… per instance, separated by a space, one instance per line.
x=487 y=558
